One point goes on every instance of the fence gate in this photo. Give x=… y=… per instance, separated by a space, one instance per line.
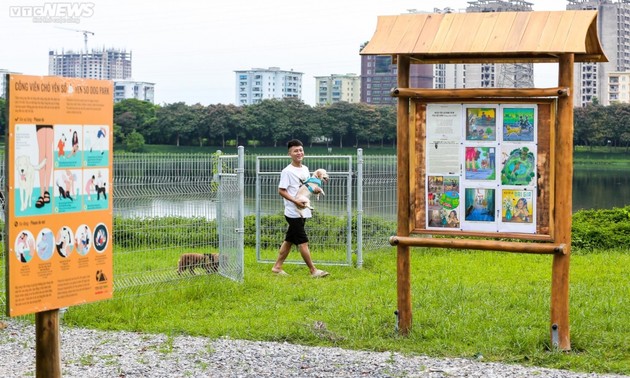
x=330 y=229
x=231 y=214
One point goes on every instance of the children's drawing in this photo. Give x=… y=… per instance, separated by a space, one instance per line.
x=480 y=163
x=519 y=166
x=479 y=204
x=517 y=206
x=518 y=124
x=481 y=124
x=443 y=201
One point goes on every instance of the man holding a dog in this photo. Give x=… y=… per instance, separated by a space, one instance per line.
x=290 y=180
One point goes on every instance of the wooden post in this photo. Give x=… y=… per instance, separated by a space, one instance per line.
x=47 y=345
x=563 y=209
x=402 y=150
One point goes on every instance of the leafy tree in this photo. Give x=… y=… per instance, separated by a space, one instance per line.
x=268 y=120
x=387 y=118
x=365 y=126
x=343 y=115
x=135 y=115
x=134 y=142
x=301 y=117
x=222 y=119
x=3 y=116
x=619 y=121
x=175 y=121
x=200 y=123
x=592 y=125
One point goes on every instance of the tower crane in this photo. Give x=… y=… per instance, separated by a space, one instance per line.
x=85 y=35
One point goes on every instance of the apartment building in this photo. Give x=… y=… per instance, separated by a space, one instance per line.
x=335 y=88
x=379 y=76
x=140 y=90
x=496 y=75
x=110 y=64
x=593 y=80
x=3 y=81
x=257 y=84
x=618 y=87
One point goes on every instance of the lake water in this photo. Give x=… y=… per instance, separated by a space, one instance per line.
x=603 y=189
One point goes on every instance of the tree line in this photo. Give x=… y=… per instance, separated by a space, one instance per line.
x=274 y=121
x=597 y=125
x=269 y=123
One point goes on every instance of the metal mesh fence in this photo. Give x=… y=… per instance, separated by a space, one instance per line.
x=169 y=204
x=330 y=229
x=379 y=200
x=230 y=215
x=166 y=206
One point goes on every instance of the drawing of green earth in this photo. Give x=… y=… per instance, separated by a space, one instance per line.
x=519 y=167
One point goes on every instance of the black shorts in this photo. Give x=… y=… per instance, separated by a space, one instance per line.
x=296 y=233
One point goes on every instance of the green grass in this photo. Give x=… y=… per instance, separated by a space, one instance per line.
x=464 y=304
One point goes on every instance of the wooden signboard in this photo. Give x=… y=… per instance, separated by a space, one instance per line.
x=483 y=168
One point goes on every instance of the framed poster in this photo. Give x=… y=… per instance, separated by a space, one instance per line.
x=481 y=123
x=518 y=210
x=444 y=134
x=519 y=123
x=480 y=163
x=443 y=202
x=518 y=166
x=481 y=167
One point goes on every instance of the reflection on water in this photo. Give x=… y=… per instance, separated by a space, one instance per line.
x=591 y=190
x=600 y=189
x=159 y=207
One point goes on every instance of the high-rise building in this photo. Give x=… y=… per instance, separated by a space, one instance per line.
x=618 y=87
x=257 y=84
x=140 y=90
x=110 y=64
x=335 y=88
x=494 y=75
x=592 y=80
x=379 y=75
x=3 y=81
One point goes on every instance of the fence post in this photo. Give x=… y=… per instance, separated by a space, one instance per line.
x=257 y=210
x=563 y=200
x=359 y=208
x=349 y=212
x=219 y=163
x=240 y=172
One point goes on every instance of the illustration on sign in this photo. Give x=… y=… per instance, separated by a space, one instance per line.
x=443 y=201
x=518 y=124
x=480 y=163
x=517 y=206
x=479 y=204
x=481 y=124
x=519 y=165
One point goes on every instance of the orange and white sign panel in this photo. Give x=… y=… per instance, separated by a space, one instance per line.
x=59 y=207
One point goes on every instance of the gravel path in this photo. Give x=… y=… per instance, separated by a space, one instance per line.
x=90 y=353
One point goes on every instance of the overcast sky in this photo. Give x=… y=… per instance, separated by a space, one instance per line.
x=190 y=48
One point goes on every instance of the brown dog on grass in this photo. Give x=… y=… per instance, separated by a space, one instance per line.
x=189 y=261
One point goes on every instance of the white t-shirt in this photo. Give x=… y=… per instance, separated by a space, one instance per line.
x=290 y=179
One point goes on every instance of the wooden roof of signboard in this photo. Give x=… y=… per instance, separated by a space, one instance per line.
x=538 y=37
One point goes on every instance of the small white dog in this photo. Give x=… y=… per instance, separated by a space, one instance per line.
x=311 y=186
x=26 y=177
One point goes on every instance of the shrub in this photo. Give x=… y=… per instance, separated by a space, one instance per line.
x=601 y=229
